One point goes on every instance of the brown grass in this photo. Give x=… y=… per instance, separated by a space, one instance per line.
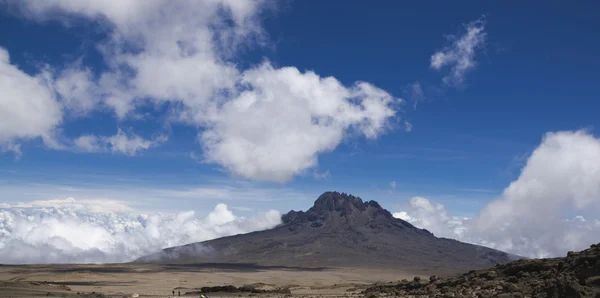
x=159 y=280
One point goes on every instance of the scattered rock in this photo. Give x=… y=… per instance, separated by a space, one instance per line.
x=593 y=281
x=258 y=288
x=577 y=275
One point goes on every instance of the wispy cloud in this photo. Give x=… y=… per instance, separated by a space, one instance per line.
x=11 y=147
x=161 y=196
x=416 y=93
x=461 y=53
x=128 y=144
x=477 y=190
x=321 y=175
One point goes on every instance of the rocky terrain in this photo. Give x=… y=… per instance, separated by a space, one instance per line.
x=258 y=288
x=576 y=275
x=339 y=230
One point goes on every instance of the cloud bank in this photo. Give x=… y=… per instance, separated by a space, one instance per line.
x=91 y=231
x=537 y=215
x=259 y=122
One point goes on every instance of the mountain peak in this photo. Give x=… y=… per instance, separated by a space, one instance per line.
x=340 y=210
x=331 y=201
x=334 y=201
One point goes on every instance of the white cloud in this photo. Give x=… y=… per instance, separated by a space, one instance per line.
x=11 y=147
x=533 y=216
x=72 y=231
x=260 y=123
x=119 y=143
x=460 y=55
x=77 y=89
x=88 y=143
x=129 y=145
x=393 y=184
x=162 y=50
x=28 y=107
x=276 y=128
x=433 y=217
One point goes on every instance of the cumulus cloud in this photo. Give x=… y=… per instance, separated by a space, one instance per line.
x=536 y=215
x=460 y=54
x=119 y=143
x=73 y=231
x=159 y=50
x=433 y=216
x=28 y=106
x=277 y=127
x=262 y=123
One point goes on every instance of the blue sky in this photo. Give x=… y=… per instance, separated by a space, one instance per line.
x=532 y=69
x=536 y=73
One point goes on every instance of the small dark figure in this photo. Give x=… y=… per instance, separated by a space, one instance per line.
x=173 y=293
x=179 y=293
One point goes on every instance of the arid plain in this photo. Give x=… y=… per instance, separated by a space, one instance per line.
x=150 y=280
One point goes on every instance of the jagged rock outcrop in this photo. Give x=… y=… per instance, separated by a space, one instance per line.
x=576 y=275
x=333 y=210
x=339 y=230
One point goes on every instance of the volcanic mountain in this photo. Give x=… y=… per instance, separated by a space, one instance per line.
x=340 y=230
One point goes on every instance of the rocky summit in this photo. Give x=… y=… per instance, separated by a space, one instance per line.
x=339 y=230
x=576 y=275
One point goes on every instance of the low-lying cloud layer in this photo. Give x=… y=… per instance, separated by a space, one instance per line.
x=537 y=214
x=71 y=231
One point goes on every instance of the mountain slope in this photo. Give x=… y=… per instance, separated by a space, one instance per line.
x=340 y=230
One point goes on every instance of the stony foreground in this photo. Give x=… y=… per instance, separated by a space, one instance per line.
x=577 y=275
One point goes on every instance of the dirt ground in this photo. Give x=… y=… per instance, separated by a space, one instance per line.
x=160 y=280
